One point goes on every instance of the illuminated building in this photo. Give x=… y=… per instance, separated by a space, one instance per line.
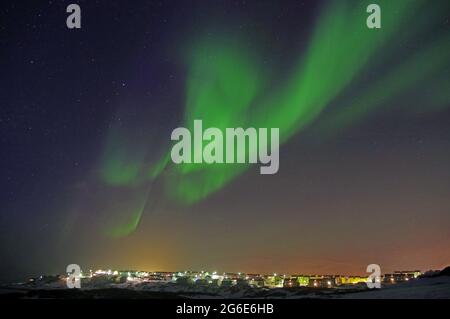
x=275 y=281
x=290 y=282
x=226 y=283
x=303 y=281
x=257 y=282
x=351 y=280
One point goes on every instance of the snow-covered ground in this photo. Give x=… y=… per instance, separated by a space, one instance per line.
x=424 y=288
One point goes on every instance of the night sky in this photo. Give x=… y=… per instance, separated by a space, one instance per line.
x=86 y=117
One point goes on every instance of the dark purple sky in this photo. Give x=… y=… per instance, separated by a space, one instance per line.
x=377 y=192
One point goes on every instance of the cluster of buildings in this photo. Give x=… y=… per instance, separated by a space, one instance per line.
x=214 y=279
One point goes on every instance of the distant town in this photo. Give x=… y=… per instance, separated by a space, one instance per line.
x=133 y=284
x=215 y=279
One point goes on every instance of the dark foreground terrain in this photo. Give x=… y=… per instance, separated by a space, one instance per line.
x=424 y=288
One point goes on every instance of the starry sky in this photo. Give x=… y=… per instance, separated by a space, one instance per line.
x=86 y=117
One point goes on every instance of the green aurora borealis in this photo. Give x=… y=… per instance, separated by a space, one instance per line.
x=228 y=86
